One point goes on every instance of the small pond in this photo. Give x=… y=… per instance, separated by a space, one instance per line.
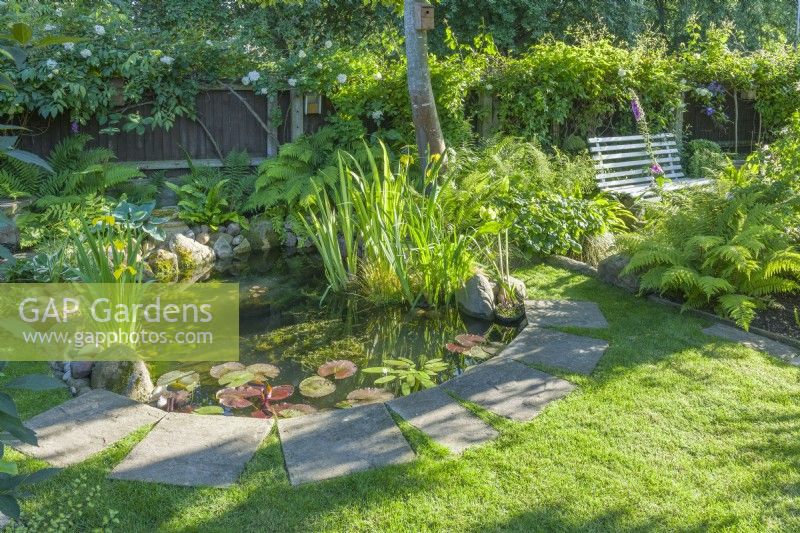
x=283 y=323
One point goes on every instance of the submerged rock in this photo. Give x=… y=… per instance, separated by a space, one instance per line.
x=129 y=378
x=476 y=298
x=191 y=254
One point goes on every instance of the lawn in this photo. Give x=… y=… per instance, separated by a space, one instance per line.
x=673 y=431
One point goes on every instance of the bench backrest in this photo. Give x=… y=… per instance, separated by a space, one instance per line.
x=624 y=161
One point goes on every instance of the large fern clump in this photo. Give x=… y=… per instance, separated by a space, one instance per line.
x=729 y=250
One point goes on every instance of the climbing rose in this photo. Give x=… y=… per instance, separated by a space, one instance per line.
x=378 y=76
x=319 y=66
x=69 y=47
x=301 y=54
x=167 y=60
x=253 y=75
x=245 y=80
x=341 y=78
x=59 y=12
x=377 y=115
x=99 y=30
x=292 y=82
x=51 y=63
x=86 y=53
x=328 y=43
x=49 y=27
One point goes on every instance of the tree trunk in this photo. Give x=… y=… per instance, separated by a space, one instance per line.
x=423 y=106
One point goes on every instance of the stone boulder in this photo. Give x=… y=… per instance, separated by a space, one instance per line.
x=242 y=248
x=610 y=271
x=128 y=378
x=598 y=247
x=222 y=245
x=191 y=254
x=262 y=235
x=9 y=233
x=164 y=265
x=81 y=369
x=476 y=297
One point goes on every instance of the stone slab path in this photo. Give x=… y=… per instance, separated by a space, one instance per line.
x=564 y=351
x=509 y=388
x=86 y=425
x=194 y=450
x=564 y=313
x=337 y=443
x=444 y=420
x=777 y=349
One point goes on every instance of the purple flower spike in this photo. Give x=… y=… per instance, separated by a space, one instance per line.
x=656 y=169
x=709 y=111
x=636 y=109
x=74 y=127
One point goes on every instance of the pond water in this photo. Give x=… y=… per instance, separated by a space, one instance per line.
x=283 y=323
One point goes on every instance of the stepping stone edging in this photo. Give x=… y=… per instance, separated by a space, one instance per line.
x=337 y=443
x=83 y=426
x=185 y=449
x=756 y=342
x=574 y=313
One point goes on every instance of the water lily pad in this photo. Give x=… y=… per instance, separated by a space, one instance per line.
x=264 y=369
x=209 y=410
x=478 y=352
x=456 y=348
x=220 y=370
x=236 y=398
x=468 y=340
x=370 y=395
x=316 y=387
x=235 y=402
x=236 y=378
x=341 y=369
x=184 y=379
x=279 y=392
x=346 y=404
x=293 y=410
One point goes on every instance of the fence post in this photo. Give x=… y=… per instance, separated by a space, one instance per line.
x=298 y=114
x=272 y=134
x=487 y=114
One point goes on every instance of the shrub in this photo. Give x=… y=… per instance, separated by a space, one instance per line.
x=704 y=159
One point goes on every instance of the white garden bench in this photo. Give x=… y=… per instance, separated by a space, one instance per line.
x=623 y=164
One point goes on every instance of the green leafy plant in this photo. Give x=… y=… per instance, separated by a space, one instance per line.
x=705 y=159
x=406 y=376
x=204 y=203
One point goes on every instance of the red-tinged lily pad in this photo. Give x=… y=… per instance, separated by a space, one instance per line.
x=340 y=369
x=293 y=410
x=279 y=392
x=220 y=370
x=370 y=395
x=468 y=340
x=456 y=348
x=316 y=387
x=264 y=369
x=235 y=402
x=236 y=398
x=258 y=413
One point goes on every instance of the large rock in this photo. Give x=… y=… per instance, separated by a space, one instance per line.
x=81 y=369
x=262 y=235
x=128 y=378
x=476 y=298
x=242 y=249
x=222 y=245
x=164 y=265
x=191 y=254
x=610 y=271
x=9 y=233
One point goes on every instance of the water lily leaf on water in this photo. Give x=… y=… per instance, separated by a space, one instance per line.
x=264 y=369
x=209 y=410
x=340 y=369
x=293 y=410
x=237 y=398
x=235 y=402
x=236 y=378
x=478 y=352
x=316 y=387
x=370 y=395
x=279 y=392
x=346 y=404
x=468 y=340
x=456 y=348
x=185 y=379
x=258 y=413
x=220 y=370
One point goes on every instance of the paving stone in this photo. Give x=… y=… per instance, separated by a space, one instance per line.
x=572 y=353
x=194 y=450
x=337 y=443
x=564 y=313
x=443 y=419
x=757 y=342
x=83 y=426
x=509 y=388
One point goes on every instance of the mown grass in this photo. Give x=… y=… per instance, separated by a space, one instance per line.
x=674 y=431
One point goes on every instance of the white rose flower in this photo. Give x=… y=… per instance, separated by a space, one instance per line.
x=301 y=54
x=292 y=82
x=489 y=86
x=253 y=75
x=377 y=115
x=319 y=66
x=209 y=42
x=378 y=76
x=50 y=76
x=622 y=72
x=49 y=27
x=51 y=63
x=263 y=90
x=797 y=86
x=328 y=43
x=245 y=80
x=59 y=12
x=341 y=78
x=86 y=53
x=99 y=30
x=69 y=47
x=167 y=60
